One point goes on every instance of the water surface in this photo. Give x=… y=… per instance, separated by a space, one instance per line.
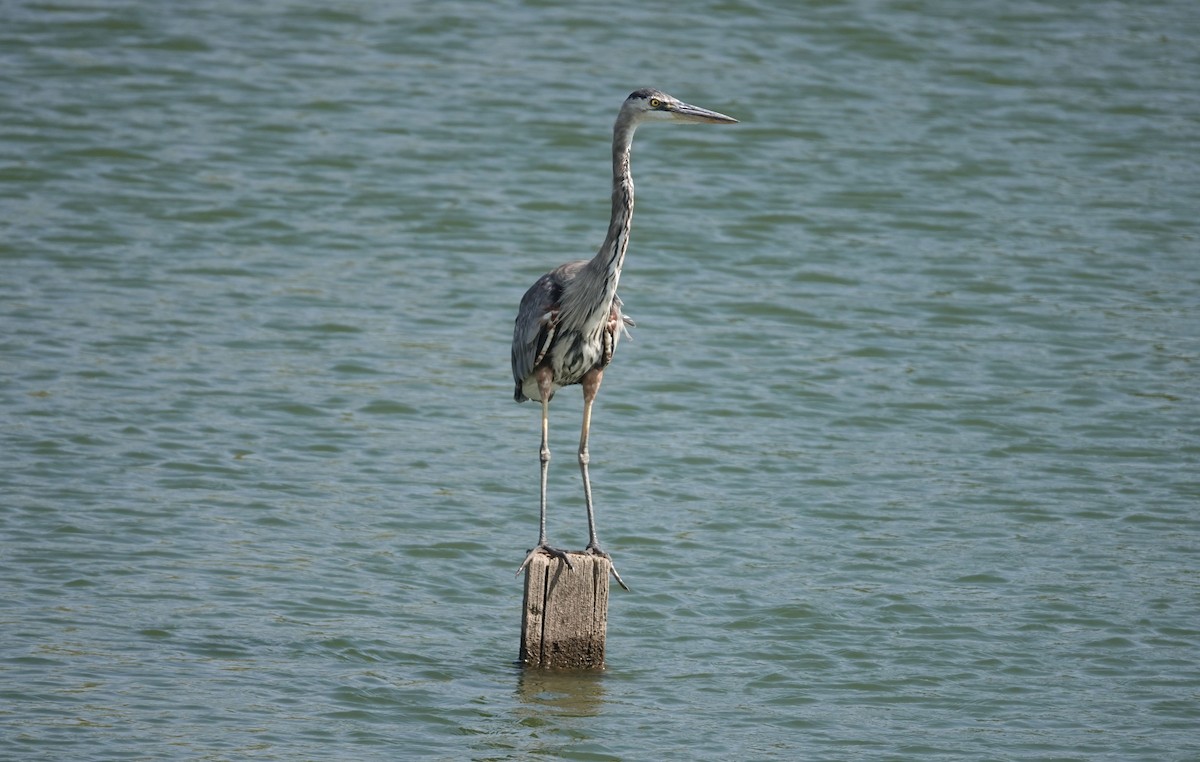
x=900 y=464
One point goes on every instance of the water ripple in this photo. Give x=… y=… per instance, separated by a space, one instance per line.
x=899 y=464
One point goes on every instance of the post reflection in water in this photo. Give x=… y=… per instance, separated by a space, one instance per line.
x=555 y=709
x=559 y=693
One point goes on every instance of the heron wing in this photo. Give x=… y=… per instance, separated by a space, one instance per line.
x=533 y=331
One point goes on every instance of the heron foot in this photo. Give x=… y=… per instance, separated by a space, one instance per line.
x=544 y=548
x=595 y=551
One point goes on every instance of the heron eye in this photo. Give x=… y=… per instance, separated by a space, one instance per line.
x=655 y=103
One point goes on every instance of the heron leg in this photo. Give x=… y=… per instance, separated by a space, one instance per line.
x=591 y=385
x=543 y=546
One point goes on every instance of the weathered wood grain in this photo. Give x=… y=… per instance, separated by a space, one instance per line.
x=565 y=613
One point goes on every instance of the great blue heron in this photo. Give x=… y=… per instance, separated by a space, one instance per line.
x=570 y=320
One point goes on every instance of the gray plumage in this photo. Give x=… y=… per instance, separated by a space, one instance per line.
x=562 y=322
x=570 y=319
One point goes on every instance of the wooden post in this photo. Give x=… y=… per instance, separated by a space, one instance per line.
x=566 y=612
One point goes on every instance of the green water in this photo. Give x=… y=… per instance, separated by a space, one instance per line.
x=901 y=462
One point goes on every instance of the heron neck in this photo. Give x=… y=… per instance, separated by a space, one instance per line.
x=611 y=256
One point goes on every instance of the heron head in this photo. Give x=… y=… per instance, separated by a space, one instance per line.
x=650 y=105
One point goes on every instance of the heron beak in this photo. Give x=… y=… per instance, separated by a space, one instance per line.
x=686 y=112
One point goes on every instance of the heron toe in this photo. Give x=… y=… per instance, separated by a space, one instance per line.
x=596 y=551
x=548 y=550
